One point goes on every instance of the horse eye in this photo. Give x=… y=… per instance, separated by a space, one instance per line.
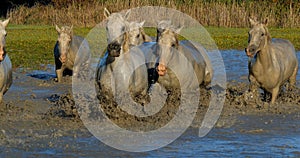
x=262 y=34
x=137 y=36
x=173 y=45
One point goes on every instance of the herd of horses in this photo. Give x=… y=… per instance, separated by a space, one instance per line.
x=134 y=62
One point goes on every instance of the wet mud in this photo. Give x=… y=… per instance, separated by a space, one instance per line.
x=39 y=116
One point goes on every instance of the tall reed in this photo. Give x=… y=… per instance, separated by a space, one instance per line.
x=222 y=13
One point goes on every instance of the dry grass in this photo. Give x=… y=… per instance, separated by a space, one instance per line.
x=88 y=13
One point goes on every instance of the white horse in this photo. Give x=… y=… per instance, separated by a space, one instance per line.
x=66 y=48
x=274 y=63
x=182 y=57
x=5 y=63
x=122 y=69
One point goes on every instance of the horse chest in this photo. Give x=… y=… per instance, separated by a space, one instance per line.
x=169 y=80
x=70 y=61
x=68 y=65
x=267 y=77
x=2 y=75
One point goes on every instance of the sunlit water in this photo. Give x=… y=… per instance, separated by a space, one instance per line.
x=272 y=136
x=251 y=136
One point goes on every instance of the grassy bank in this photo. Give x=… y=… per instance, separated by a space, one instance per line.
x=236 y=38
x=31 y=46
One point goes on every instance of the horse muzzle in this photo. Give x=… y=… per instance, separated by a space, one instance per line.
x=161 y=69
x=250 y=52
x=114 y=49
x=63 y=58
x=2 y=53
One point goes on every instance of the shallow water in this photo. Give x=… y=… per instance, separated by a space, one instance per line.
x=236 y=64
x=267 y=136
x=254 y=136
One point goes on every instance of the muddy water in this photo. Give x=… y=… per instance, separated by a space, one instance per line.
x=38 y=119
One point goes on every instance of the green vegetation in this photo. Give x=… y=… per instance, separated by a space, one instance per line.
x=31 y=46
x=221 y=13
x=236 y=38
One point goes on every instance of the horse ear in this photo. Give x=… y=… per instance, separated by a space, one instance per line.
x=57 y=29
x=141 y=24
x=5 y=22
x=157 y=22
x=252 y=21
x=164 y=24
x=106 y=13
x=127 y=14
x=178 y=29
x=127 y=25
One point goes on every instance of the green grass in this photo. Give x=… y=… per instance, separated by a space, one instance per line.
x=31 y=46
x=236 y=38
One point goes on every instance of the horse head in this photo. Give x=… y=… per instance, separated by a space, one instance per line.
x=117 y=32
x=3 y=34
x=65 y=34
x=167 y=44
x=259 y=37
x=136 y=34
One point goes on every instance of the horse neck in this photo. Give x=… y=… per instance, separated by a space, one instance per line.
x=264 y=57
x=111 y=61
x=74 y=46
x=71 y=54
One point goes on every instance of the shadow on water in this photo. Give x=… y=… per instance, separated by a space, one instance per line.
x=47 y=73
x=42 y=75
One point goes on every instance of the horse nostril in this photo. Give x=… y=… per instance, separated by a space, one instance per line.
x=117 y=47
x=110 y=46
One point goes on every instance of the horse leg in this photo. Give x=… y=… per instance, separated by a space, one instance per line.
x=59 y=74
x=266 y=95
x=253 y=88
x=275 y=92
x=292 y=79
x=1 y=97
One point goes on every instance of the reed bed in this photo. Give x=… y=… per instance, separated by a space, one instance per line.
x=220 y=13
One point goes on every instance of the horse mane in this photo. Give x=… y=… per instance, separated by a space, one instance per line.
x=125 y=45
x=146 y=38
x=269 y=38
x=177 y=41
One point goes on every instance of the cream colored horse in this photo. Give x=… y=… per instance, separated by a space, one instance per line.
x=274 y=61
x=5 y=63
x=66 y=48
x=182 y=57
x=122 y=69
